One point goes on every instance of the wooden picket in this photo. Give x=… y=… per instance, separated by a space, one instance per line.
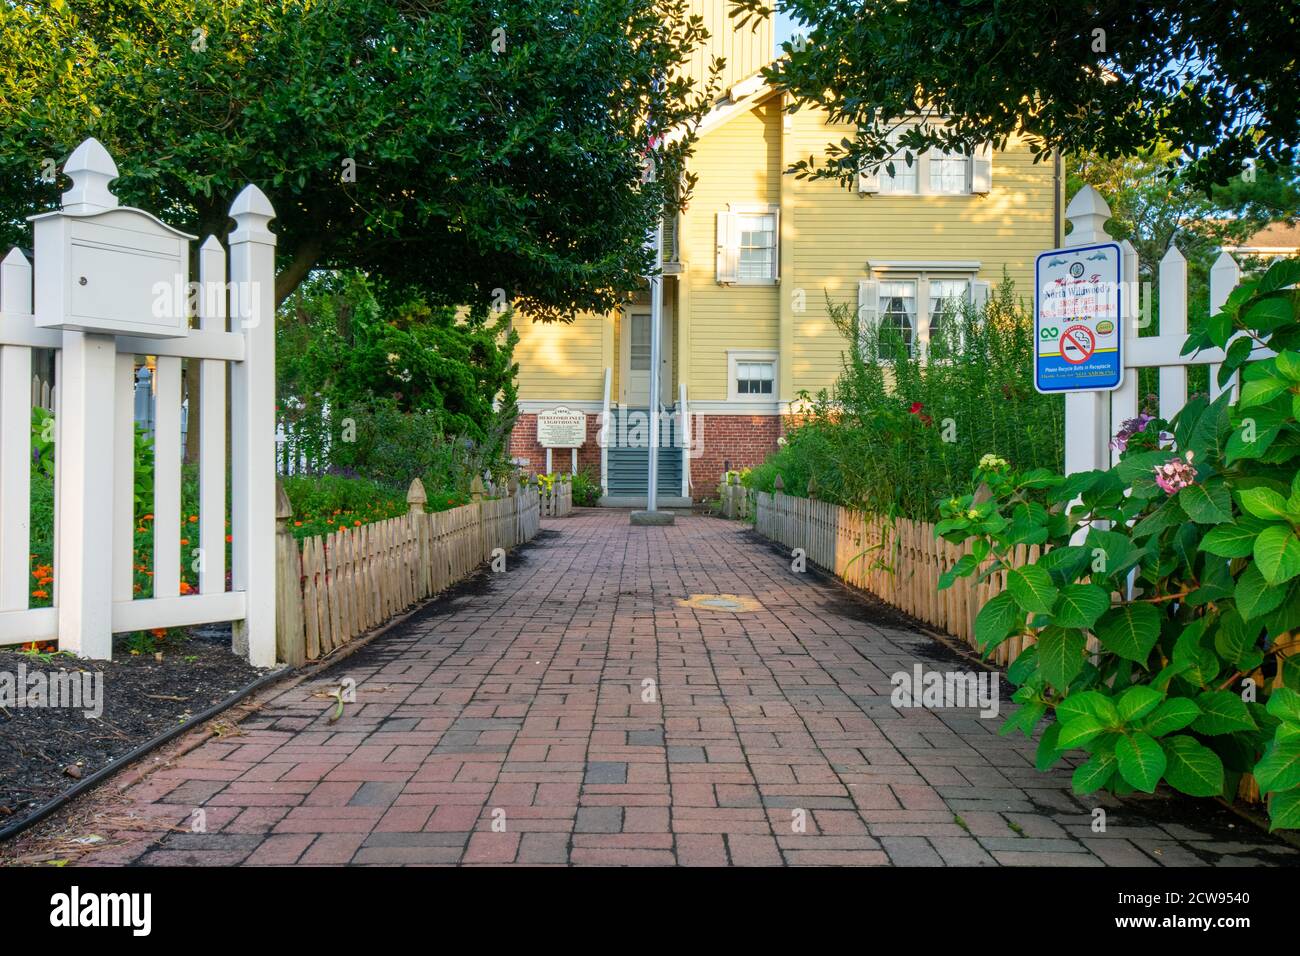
x=900 y=561
x=351 y=581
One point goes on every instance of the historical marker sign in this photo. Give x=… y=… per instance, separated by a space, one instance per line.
x=561 y=428
x=1078 y=319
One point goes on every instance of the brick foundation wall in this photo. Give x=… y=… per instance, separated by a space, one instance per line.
x=731 y=442
x=523 y=444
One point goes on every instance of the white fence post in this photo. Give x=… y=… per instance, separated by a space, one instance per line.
x=15 y=437
x=212 y=424
x=1087 y=414
x=252 y=445
x=1224 y=276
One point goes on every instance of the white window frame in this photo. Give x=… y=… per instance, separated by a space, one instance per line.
x=978 y=179
x=920 y=273
x=729 y=243
x=737 y=357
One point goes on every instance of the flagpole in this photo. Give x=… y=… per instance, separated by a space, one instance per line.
x=656 y=326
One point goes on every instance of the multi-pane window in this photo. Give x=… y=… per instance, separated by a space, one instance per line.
x=897 y=317
x=757 y=246
x=904 y=177
x=639 y=342
x=946 y=299
x=754 y=378
x=947 y=173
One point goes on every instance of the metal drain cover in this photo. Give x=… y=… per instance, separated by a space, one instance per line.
x=733 y=603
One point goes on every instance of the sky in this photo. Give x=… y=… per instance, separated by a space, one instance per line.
x=785 y=26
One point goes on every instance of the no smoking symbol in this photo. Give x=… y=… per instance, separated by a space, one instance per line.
x=1077 y=344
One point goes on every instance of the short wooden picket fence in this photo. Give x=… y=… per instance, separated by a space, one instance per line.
x=898 y=560
x=335 y=587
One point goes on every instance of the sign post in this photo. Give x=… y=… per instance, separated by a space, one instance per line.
x=562 y=427
x=1079 y=329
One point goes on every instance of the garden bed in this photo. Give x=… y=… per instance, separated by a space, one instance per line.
x=46 y=751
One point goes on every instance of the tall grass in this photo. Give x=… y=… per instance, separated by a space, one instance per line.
x=897 y=434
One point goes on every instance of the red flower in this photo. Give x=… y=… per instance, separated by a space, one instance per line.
x=917 y=411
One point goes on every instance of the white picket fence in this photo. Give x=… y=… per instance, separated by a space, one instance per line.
x=94 y=441
x=1092 y=419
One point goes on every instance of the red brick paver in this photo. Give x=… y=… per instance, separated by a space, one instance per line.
x=573 y=712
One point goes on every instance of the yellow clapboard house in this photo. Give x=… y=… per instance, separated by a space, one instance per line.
x=748 y=268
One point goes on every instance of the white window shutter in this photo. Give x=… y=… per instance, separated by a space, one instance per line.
x=869 y=182
x=728 y=251
x=979 y=293
x=981 y=175
x=868 y=308
x=776 y=244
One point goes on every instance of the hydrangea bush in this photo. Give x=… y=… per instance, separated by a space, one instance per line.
x=1165 y=603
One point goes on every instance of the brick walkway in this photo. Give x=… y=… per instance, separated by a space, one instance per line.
x=524 y=706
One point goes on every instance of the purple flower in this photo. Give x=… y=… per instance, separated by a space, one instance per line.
x=1129 y=428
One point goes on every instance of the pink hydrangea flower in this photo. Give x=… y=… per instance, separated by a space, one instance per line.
x=1176 y=474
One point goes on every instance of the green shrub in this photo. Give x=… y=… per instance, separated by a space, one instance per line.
x=586 y=490
x=896 y=434
x=1182 y=562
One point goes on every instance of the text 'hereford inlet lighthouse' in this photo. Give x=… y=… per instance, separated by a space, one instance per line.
x=748 y=269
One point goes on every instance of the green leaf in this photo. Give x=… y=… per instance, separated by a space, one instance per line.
x=1049 y=751
x=1079 y=730
x=1234 y=540
x=1090 y=702
x=1282 y=273
x=1118 y=553
x=1168 y=515
x=1280 y=768
x=1174 y=714
x=1060 y=655
x=1233 y=639
x=1130 y=631
x=1192 y=767
x=1255 y=596
x=996 y=620
x=1284 y=704
x=1222 y=712
x=1031 y=587
x=1277 y=553
x=1206 y=504
x=1142 y=762
x=1262 y=390
x=1093 y=774
x=1137 y=701
x=1079 y=605
x=1284 y=811
x=1263 y=503
x=1288 y=363
x=1267 y=315
x=965 y=566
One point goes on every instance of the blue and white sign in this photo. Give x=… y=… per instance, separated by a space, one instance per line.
x=1078 y=319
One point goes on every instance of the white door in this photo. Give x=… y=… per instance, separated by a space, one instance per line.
x=634 y=375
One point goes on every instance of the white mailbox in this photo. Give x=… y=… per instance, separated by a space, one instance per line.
x=104 y=268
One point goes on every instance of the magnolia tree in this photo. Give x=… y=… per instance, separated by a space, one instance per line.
x=1164 y=606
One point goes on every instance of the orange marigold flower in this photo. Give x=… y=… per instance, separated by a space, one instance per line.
x=229 y=538
x=185 y=540
x=147 y=518
x=159 y=632
x=186 y=587
x=40 y=594
x=193 y=518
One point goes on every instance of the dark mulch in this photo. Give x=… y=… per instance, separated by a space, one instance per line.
x=46 y=750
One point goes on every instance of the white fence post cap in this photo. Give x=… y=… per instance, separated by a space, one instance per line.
x=252 y=211
x=1088 y=213
x=91 y=169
